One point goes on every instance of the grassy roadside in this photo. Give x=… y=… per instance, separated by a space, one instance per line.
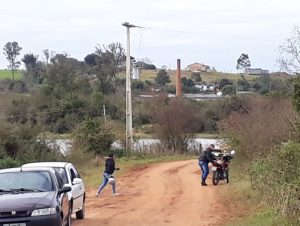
x=246 y=206
x=261 y=217
x=92 y=174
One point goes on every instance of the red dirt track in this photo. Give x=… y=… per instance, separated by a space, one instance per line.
x=161 y=194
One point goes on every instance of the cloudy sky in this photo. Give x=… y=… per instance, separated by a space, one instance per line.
x=214 y=32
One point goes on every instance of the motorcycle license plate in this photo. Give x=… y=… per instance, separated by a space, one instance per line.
x=213 y=168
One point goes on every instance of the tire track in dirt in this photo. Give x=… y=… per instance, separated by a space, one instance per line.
x=162 y=194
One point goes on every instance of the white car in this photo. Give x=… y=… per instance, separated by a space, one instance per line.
x=70 y=177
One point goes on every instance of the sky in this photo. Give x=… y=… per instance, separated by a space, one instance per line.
x=213 y=32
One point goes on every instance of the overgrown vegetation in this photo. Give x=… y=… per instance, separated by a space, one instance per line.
x=264 y=131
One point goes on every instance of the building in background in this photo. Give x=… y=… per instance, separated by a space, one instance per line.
x=197 y=67
x=256 y=71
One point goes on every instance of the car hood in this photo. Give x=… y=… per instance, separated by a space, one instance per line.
x=25 y=201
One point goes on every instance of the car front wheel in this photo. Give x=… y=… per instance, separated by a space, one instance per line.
x=80 y=214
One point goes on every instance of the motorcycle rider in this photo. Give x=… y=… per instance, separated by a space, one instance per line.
x=205 y=158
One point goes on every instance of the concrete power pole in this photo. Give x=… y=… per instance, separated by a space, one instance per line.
x=129 y=140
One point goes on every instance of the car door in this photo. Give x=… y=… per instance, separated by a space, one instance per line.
x=77 y=190
x=65 y=207
x=62 y=198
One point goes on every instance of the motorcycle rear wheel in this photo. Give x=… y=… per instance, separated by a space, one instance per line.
x=216 y=177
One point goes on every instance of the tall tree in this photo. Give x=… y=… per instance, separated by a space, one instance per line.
x=243 y=62
x=47 y=55
x=162 y=77
x=35 y=70
x=11 y=50
x=290 y=52
x=111 y=60
x=29 y=59
x=63 y=72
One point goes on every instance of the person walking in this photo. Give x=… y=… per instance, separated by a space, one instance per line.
x=205 y=158
x=108 y=171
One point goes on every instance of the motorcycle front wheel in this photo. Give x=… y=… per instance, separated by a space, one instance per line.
x=216 y=177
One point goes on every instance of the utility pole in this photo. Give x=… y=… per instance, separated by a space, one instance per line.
x=129 y=140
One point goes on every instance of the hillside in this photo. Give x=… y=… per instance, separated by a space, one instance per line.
x=206 y=76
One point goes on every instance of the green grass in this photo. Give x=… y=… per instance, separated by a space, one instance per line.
x=246 y=204
x=7 y=74
x=262 y=217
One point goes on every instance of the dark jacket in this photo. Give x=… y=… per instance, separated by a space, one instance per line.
x=109 y=166
x=206 y=156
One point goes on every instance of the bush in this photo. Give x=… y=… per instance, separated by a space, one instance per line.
x=196 y=77
x=138 y=85
x=8 y=163
x=277 y=177
x=94 y=136
x=170 y=89
x=162 y=77
x=225 y=82
x=174 y=124
x=228 y=90
x=253 y=125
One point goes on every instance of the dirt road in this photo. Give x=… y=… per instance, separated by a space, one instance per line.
x=163 y=194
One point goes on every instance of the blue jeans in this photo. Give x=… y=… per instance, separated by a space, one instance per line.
x=104 y=183
x=205 y=170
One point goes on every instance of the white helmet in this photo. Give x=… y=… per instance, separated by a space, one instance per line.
x=111 y=180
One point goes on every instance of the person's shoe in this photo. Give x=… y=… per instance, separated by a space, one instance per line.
x=203 y=184
x=116 y=194
x=97 y=195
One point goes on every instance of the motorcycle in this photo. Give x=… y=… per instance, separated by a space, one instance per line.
x=220 y=167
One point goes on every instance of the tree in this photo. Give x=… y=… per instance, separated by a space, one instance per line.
x=290 y=52
x=243 y=84
x=47 y=55
x=35 y=70
x=11 y=50
x=162 y=77
x=228 y=90
x=187 y=82
x=91 y=59
x=174 y=124
x=94 y=136
x=224 y=82
x=62 y=74
x=196 y=77
x=243 y=62
x=29 y=59
x=111 y=60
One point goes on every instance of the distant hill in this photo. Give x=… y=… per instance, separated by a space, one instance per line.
x=206 y=76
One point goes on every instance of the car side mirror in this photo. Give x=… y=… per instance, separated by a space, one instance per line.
x=76 y=181
x=65 y=189
x=232 y=152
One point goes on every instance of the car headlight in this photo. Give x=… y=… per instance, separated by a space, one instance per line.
x=43 y=212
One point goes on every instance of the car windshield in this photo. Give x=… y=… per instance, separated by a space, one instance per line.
x=36 y=181
x=62 y=174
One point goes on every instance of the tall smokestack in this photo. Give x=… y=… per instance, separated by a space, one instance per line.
x=178 y=79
